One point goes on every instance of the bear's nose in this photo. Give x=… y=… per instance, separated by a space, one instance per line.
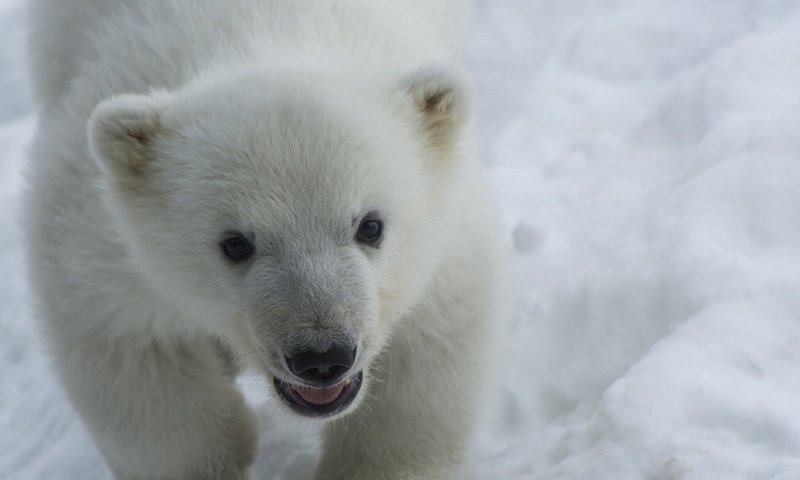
x=324 y=368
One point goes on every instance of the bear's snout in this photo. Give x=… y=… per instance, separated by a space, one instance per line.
x=325 y=384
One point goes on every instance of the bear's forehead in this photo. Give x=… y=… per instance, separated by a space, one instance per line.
x=287 y=138
x=295 y=181
x=296 y=166
x=286 y=153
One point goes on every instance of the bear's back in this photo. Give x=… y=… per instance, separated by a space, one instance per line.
x=133 y=46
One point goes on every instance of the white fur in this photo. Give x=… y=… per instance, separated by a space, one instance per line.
x=287 y=120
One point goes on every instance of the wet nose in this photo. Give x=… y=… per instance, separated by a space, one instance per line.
x=326 y=367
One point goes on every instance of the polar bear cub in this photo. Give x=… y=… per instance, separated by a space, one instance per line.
x=283 y=186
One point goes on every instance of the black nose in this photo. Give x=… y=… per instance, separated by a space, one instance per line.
x=322 y=367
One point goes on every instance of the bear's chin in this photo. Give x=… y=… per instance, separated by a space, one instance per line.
x=320 y=402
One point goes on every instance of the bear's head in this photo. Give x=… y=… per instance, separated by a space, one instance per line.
x=293 y=215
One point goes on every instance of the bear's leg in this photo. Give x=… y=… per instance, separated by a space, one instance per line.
x=415 y=420
x=159 y=409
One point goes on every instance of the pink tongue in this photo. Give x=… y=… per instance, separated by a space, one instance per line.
x=319 y=396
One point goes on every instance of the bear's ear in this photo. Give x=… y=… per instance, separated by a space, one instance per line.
x=121 y=133
x=443 y=98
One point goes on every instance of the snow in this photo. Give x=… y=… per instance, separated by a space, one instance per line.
x=645 y=156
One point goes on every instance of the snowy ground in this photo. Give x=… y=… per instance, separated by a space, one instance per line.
x=646 y=154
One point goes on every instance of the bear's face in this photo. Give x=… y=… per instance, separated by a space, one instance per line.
x=292 y=219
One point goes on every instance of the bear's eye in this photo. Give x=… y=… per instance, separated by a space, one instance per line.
x=237 y=247
x=370 y=230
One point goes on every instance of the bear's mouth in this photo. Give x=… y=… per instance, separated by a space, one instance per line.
x=319 y=402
